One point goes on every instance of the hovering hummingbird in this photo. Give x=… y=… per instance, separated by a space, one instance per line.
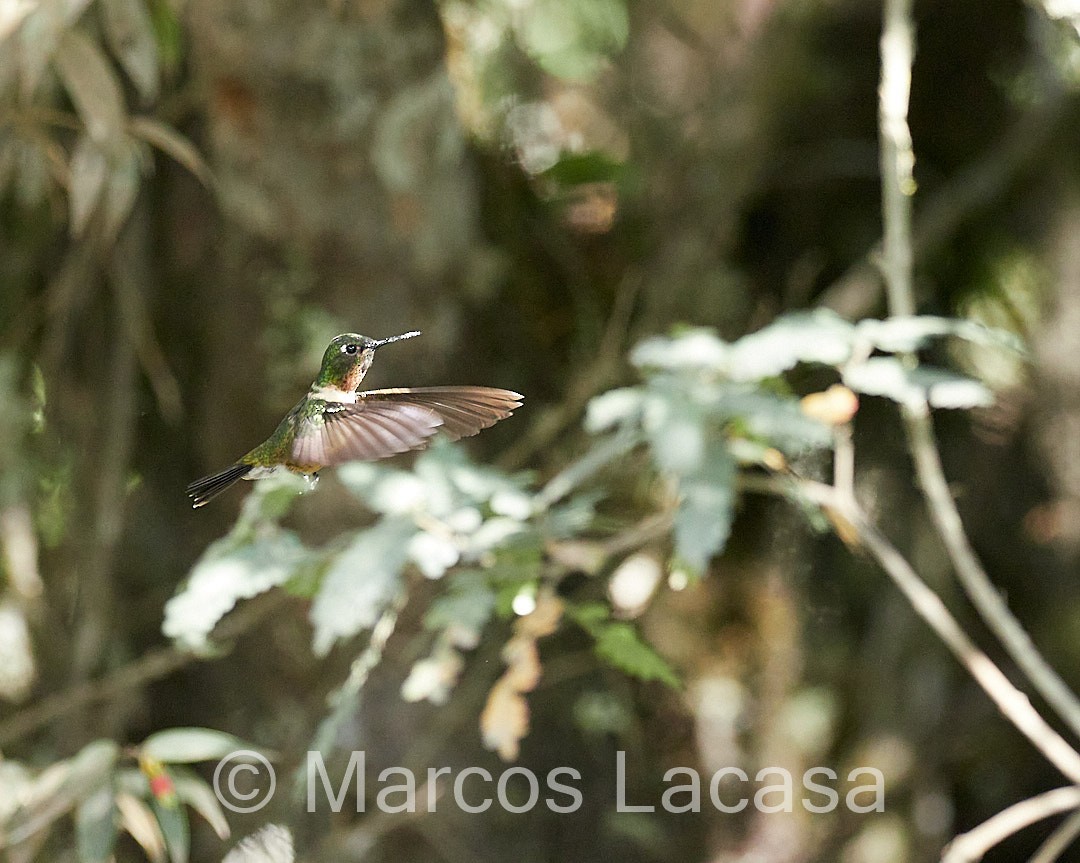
x=335 y=423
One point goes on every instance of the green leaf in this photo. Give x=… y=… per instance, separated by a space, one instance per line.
x=706 y=511
x=60 y=787
x=173 y=144
x=188 y=745
x=574 y=169
x=121 y=190
x=909 y=333
x=88 y=171
x=173 y=821
x=196 y=793
x=138 y=819
x=468 y=602
x=225 y=574
x=93 y=87
x=130 y=33
x=614 y=408
x=697 y=349
x=572 y=39
x=773 y=418
x=97 y=823
x=620 y=646
x=806 y=337
x=271 y=844
x=676 y=429
x=891 y=378
x=360 y=582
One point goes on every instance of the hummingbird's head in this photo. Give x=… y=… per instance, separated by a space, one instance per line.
x=348 y=358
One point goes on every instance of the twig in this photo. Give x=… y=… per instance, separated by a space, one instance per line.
x=897 y=160
x=152 y=666
x=1058 y=841
x=1011 y=702
x=971 y=846
x=973 y=577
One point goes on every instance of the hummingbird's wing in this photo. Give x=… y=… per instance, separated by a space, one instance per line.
x=463 y=410
x=364 y=431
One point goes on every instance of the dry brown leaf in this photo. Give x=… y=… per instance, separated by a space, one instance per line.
x=523 y=661
x=542 y=620
x=505 y=720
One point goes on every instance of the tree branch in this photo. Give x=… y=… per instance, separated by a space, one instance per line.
x=971 y=846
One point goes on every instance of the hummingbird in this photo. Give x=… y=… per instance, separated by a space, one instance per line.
x=335 y=423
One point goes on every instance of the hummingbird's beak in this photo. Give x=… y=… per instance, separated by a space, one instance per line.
x=382 y=342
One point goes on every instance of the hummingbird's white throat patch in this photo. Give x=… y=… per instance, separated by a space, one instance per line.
x=333 y=394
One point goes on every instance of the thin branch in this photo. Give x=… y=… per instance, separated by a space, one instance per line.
x=897 y=184
x=971 y=846
x=897 y=155
x=976 y=583
x=153 y=665
x=1011 y=702
x=1058 y=841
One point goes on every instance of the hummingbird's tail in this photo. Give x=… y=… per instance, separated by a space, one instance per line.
x=206 y=489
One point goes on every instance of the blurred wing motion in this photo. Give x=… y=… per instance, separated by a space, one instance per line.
x=385 y=422
x=381 y=423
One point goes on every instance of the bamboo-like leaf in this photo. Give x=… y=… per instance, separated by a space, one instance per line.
x=130 y=33
x=188 y=745
x=137 y=818
x=197 y=794
x=97 y=823
x=93 y=87
x=173 y=822
x=120 y=193
x=87 y=173
x=173 y=144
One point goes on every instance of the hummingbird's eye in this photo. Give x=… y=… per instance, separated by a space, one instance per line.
x=350 y=349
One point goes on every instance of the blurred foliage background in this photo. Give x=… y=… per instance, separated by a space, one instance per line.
x=196 y=195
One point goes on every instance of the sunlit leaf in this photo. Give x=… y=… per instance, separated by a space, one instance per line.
x=571 y=39
x=809 y=337
x=676 y=429
x=360 y=582
x=907 y=334
x=130 y=33
x=434 y=677
x=613 y=408
x=891 y=378
x=137 y=818
x=433 y=553
x=694 y=349
x=705 y=511
x=187 y=745
x=97 y=823
x=93 y=87
x=271 y=844
x=225 y=574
